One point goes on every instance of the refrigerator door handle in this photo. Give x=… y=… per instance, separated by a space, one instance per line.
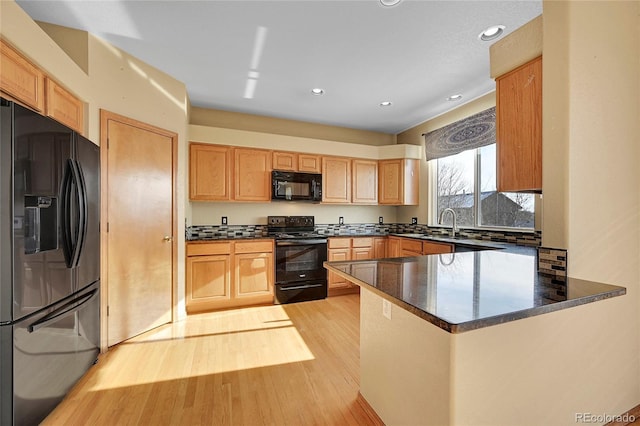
x=81 y=193
x=73 y=187
x=69 y=307
x=65 y=213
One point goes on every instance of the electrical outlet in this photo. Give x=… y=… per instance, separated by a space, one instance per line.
x=414 y=220
x=341 y=220
x=380 y=220
x=386 y=308
x=224 y=220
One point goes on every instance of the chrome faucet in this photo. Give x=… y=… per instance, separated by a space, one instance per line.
x=454 y=228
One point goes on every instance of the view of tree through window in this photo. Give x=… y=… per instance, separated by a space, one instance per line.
x=457 y=187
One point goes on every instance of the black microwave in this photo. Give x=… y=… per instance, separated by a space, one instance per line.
x=293 y=186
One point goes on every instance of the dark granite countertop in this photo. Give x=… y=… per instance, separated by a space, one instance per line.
x=460 y=292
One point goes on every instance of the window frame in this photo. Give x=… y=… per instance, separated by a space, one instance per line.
x=432 y=196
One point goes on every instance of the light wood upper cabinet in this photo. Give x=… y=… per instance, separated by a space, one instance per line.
x=209 y=172
x=309 y=163
x=252 y=174
x=398 y=181
x=336 y=180
x=287 y=161
x=364 y=182
x=62 y=106
x=20 y=79
x=519 y=128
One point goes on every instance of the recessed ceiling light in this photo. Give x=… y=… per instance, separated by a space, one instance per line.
x=492 y=33
x=455 y=97
x=389 y=3
x=317 y=91
x=386 y=103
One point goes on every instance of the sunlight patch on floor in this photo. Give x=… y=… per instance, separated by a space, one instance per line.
x=206 y=344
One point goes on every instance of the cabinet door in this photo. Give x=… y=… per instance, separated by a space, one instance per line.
x=379 y=248
x=393 y=247
x=254 y=276
x=429 y=247
x=336 y=180
x=209 y=172
x=285 y=161
x=391 y=185
x=336 y=281
x=21 y=79
x=208 y=281
x=399 y=181
x=409 y=245
x=63 y=107
x=252 y=174
x=364 y=182
x=361 y=253
x=309 y=163
x=519 y=128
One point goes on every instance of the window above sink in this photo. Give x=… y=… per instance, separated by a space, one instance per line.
x=466 y=183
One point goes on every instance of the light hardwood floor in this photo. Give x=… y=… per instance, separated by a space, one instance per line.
x=295 y=364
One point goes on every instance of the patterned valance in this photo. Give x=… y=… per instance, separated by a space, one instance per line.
x=472 y=132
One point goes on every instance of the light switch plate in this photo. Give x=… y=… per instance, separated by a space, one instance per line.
x=386 y=308
x=380 y=220
x=341 y=220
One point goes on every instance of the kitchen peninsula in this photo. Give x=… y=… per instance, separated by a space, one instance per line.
x=477 y=338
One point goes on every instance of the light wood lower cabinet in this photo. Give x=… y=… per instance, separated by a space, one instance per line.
x=229 y=274
x=407 y=247
x=430 y=247
x=356 y=248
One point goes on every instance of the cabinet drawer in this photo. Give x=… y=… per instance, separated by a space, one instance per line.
x=411 y=245
x=429 y=247
x=261 y=246
x=204 y=249
x=362 y=242
x=339 y=243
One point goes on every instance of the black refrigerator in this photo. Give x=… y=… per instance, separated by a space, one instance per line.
x=49 y=262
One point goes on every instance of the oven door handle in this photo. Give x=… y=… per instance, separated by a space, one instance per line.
x=300 y=287
x=301 y=242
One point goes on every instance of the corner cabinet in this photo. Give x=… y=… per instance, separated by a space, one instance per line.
x=209 y=172
x=229 y=274
x=519 y=128
x=398 y=182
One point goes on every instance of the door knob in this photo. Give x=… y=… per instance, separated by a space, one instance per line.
x=167 y=238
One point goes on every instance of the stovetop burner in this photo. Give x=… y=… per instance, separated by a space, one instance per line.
x=292 y=227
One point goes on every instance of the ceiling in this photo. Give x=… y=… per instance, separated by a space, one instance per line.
x=414 y=54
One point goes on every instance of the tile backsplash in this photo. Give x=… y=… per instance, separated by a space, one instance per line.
x=552 y=261
x=532 y=239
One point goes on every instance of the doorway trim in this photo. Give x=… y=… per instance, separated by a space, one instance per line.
x=105 y=117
